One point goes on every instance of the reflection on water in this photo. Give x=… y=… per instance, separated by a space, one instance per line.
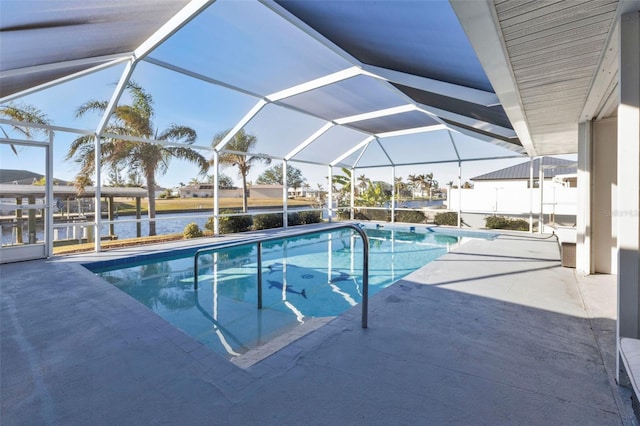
x=303 y=278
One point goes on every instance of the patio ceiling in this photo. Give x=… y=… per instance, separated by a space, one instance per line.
x=372 y=74
x=553 y=64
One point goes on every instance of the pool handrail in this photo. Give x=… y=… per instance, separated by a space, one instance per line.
x=282 y=236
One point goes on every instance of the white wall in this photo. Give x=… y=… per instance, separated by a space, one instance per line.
x=603 y=196
x=513 y=197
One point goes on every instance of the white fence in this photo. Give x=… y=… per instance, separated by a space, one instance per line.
x=559 y=205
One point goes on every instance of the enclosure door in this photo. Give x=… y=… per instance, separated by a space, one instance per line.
x=25 y=200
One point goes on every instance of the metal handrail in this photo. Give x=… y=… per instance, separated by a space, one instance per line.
x=259 y=241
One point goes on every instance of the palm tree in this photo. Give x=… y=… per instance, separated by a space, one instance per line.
x=241 y=143
x=26 y=114
x=363 y=183
x=400 y=185
x=414 y=181
x=140 y=158
x=429 y=183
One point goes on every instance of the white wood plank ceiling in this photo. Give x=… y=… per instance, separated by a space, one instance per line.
x=555 y=48
x=552 y=63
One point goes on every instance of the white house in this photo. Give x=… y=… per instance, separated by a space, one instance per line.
x=508 y=192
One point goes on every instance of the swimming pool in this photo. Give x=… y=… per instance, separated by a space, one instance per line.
x=303 y=278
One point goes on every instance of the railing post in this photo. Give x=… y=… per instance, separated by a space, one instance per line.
x=259 y=262
x=365 y=275
x=195 y=271
x=365 y=261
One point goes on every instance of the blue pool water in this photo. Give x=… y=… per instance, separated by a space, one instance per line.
x=303 y=278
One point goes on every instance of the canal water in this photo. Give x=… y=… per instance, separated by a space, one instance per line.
x=173 y=223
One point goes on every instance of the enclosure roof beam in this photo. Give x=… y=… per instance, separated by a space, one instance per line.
x=385 y=152
x=314 y=84
x=112 y=60
x=255 y=110
x=376 y=114
x=463 y=160
x=198 y=76
x=309 y=140
x=364 y=149
x=451 y=90
x=403 y=132
x=177 y=21
x=453 y=143
x=352 y=150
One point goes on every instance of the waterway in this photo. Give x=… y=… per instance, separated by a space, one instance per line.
x=124 y=227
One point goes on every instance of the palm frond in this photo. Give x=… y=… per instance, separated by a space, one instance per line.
x=91 y=106
x=26 y=114
x=177 y=133
x=189 y=155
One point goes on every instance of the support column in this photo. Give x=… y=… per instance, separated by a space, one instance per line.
x=285 y=194
x=541 y=180
x=49 y=199
x=19 y=221
x=628 y=211
x=583 y=210
x=459 y=194
x=110 y=217
x=531 y=195
x=138 y=216
x=393 y=194
x=216 y=198
x=352 y=198
x=31 y=228
x=330 y=195
x=97 y=216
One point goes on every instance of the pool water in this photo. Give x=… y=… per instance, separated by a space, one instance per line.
x=303 y=278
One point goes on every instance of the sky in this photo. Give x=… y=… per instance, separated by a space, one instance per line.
x=264 y=56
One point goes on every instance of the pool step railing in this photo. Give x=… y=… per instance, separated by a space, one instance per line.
x=258 y=242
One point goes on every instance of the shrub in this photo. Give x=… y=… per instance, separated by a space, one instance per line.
x=192 y=230
x=267 y=221
x=412 y=216
x=370 y=214
x=293 y=219
x=303 y=218
x=446 y=218
x=231 y=224
x=310 y=217
x=343 y=214
x=501 y=222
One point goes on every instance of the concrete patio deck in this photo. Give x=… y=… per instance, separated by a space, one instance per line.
x=495 y=332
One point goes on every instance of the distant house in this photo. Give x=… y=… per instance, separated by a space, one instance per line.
x=555 y=170
x=507 y=192
x=265 y=191
x=205 y=190
x=304 y=192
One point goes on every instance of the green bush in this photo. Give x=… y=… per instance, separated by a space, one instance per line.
x=267 y=221
x=501 y=222
x=309 y=217
x=303 y=218
x=293 y=219
x=370 y=214
x=343 y=214
x=446 y=218
x=231 y=224
x=192 y=230
x=410 y=216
